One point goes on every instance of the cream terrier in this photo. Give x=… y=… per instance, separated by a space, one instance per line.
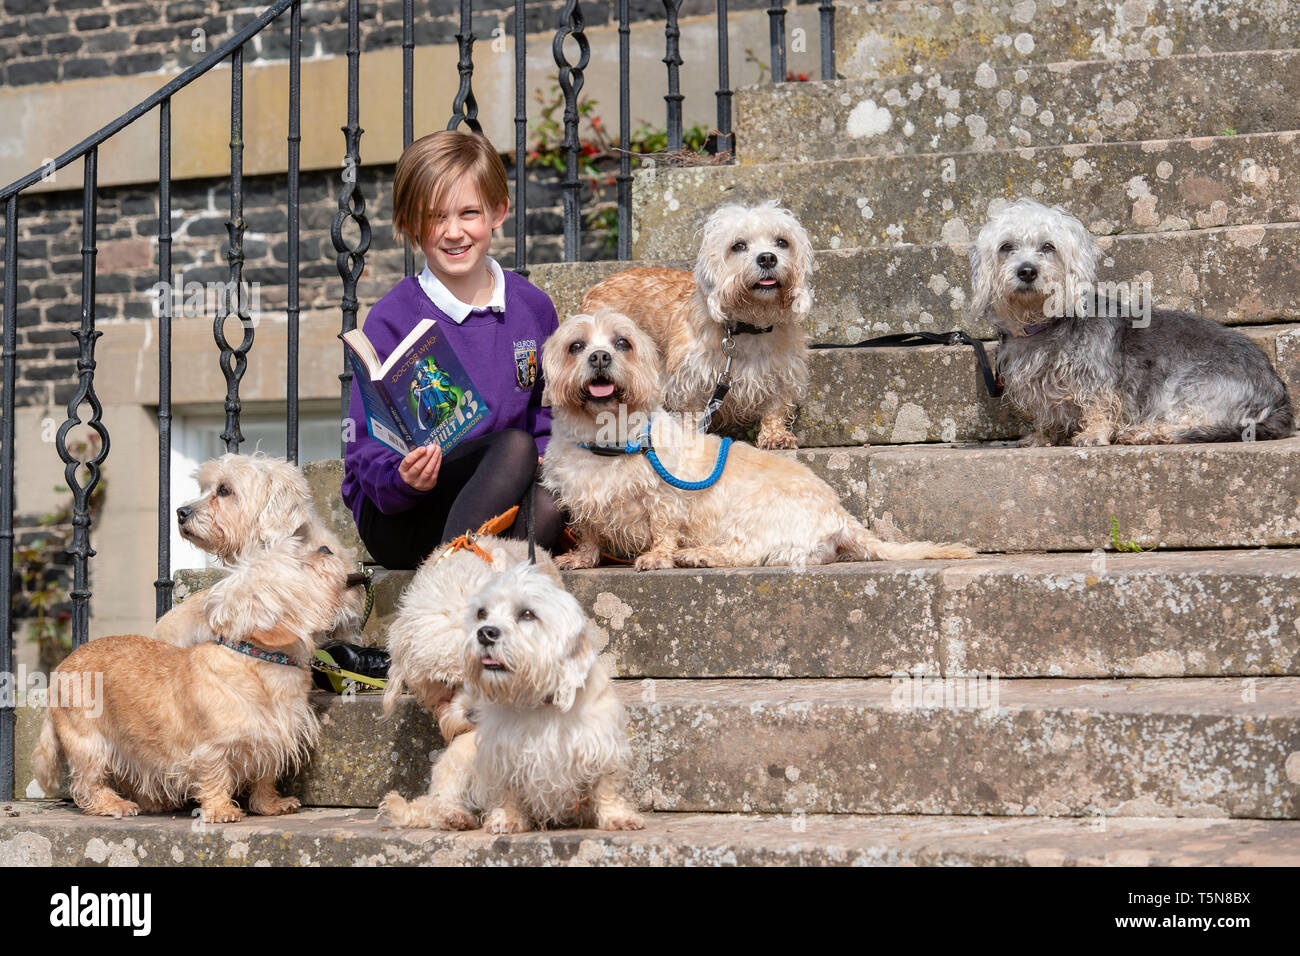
x=766 y=508
x=752 y=275
x=549 y=746
x=206 y=721
x=249 y=504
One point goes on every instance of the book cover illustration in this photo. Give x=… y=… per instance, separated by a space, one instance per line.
x=420 y=394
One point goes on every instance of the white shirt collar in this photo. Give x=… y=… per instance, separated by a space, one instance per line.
x=455 y=309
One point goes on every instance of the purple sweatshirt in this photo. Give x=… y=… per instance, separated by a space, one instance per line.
x=495 y=349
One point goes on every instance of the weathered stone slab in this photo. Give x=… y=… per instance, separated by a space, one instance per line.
x=1051 y=747
x=1238 y=275
x=1190 y=747
x=1239 y=495
x=1146 y=187
x=41 y=835
x=325 y=478
x=899 y=36
x=1092 y=615
x=1050 y=105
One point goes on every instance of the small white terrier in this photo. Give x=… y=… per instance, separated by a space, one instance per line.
x=549 y=745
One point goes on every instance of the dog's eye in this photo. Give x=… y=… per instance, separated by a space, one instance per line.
x=576 y=347
x=623 y=345
x=324 y=550
x=223 y=490
x=482 y=614
x=739 y=247
x=1005 y=248
x=527 y=615
x=1047 y=247
x=782 y=244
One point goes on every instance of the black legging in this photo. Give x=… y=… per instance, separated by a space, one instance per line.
x=478 y=480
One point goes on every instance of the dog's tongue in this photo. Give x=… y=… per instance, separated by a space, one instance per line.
x=601 y=391
x=767 y=282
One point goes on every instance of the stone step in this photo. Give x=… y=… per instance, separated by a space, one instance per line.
x=937 y=393
x=1000 y=499
x=1029 y=615
x=43 y=835
x=1003 y=499
x=1049 y=105
x=901 y=36
x=1171 y=746
x=1236 y=274
x=1137 y=187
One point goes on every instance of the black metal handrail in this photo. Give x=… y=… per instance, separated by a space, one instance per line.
x=351 y=246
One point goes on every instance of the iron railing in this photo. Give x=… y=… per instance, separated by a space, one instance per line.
x=350 y=232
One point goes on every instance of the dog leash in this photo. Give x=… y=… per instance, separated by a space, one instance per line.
x=720 y=391
x=644 y=446
x=957 y=337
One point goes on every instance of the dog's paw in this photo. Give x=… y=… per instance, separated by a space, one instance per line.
x=697 y=558
x=575 y=560
x=776 y=440
x=117 y=808
x=654 y=561
x=276 y=807
x=222 y=813
x=457 y=819
x=502 y=820
x=629 y=820
x=1089 y=441
x=1035 y=440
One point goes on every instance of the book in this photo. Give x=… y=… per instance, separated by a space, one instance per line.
x=419 y=394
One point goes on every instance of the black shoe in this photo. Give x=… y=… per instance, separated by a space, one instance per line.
x=366 y=661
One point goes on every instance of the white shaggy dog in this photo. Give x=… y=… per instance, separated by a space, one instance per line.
x=248 y=505
x=424 y=643
x=549 y=746
x=751 y=280
x=206 y=720
x=1092 y=363
x=765 y=509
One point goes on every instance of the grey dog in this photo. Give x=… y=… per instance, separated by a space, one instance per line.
x=1094 y=364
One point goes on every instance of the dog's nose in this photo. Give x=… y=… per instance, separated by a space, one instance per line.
x=766 y=260
x=1027 y=273
x=183 y=513
x=487 y=635
x=599 y=360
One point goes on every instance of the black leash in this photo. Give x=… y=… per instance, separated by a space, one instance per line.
x=956 y=337
x=529 y=506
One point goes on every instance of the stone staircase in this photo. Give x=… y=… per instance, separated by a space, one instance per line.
x=1146 y=708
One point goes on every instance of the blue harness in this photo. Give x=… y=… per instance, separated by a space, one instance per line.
x=643 y=446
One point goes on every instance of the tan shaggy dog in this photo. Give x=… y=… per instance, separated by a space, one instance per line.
x=425 y=642
x=549 y=746
x=171 y=724
x=248 y=504
x=766 y=508
x=752 y=275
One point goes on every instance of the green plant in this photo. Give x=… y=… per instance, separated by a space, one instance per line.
x=1229 y=132
x=1131 y=547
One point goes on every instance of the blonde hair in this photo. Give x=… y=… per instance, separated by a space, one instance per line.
x=428 y=169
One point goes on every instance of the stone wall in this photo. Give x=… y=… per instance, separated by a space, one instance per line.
x=43 y=41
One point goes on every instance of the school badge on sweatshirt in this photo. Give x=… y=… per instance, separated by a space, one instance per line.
x=526 y=363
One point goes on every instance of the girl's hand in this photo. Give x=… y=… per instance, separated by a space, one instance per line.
x=419 y=469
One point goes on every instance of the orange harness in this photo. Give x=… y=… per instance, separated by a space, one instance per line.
x=469 y=540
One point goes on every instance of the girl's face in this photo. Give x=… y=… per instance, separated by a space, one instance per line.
x=461 y=231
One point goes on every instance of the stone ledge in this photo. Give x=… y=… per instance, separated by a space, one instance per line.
x=1176 y=184
x=45 y=835
x=1044 y=105
x=900 y=36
